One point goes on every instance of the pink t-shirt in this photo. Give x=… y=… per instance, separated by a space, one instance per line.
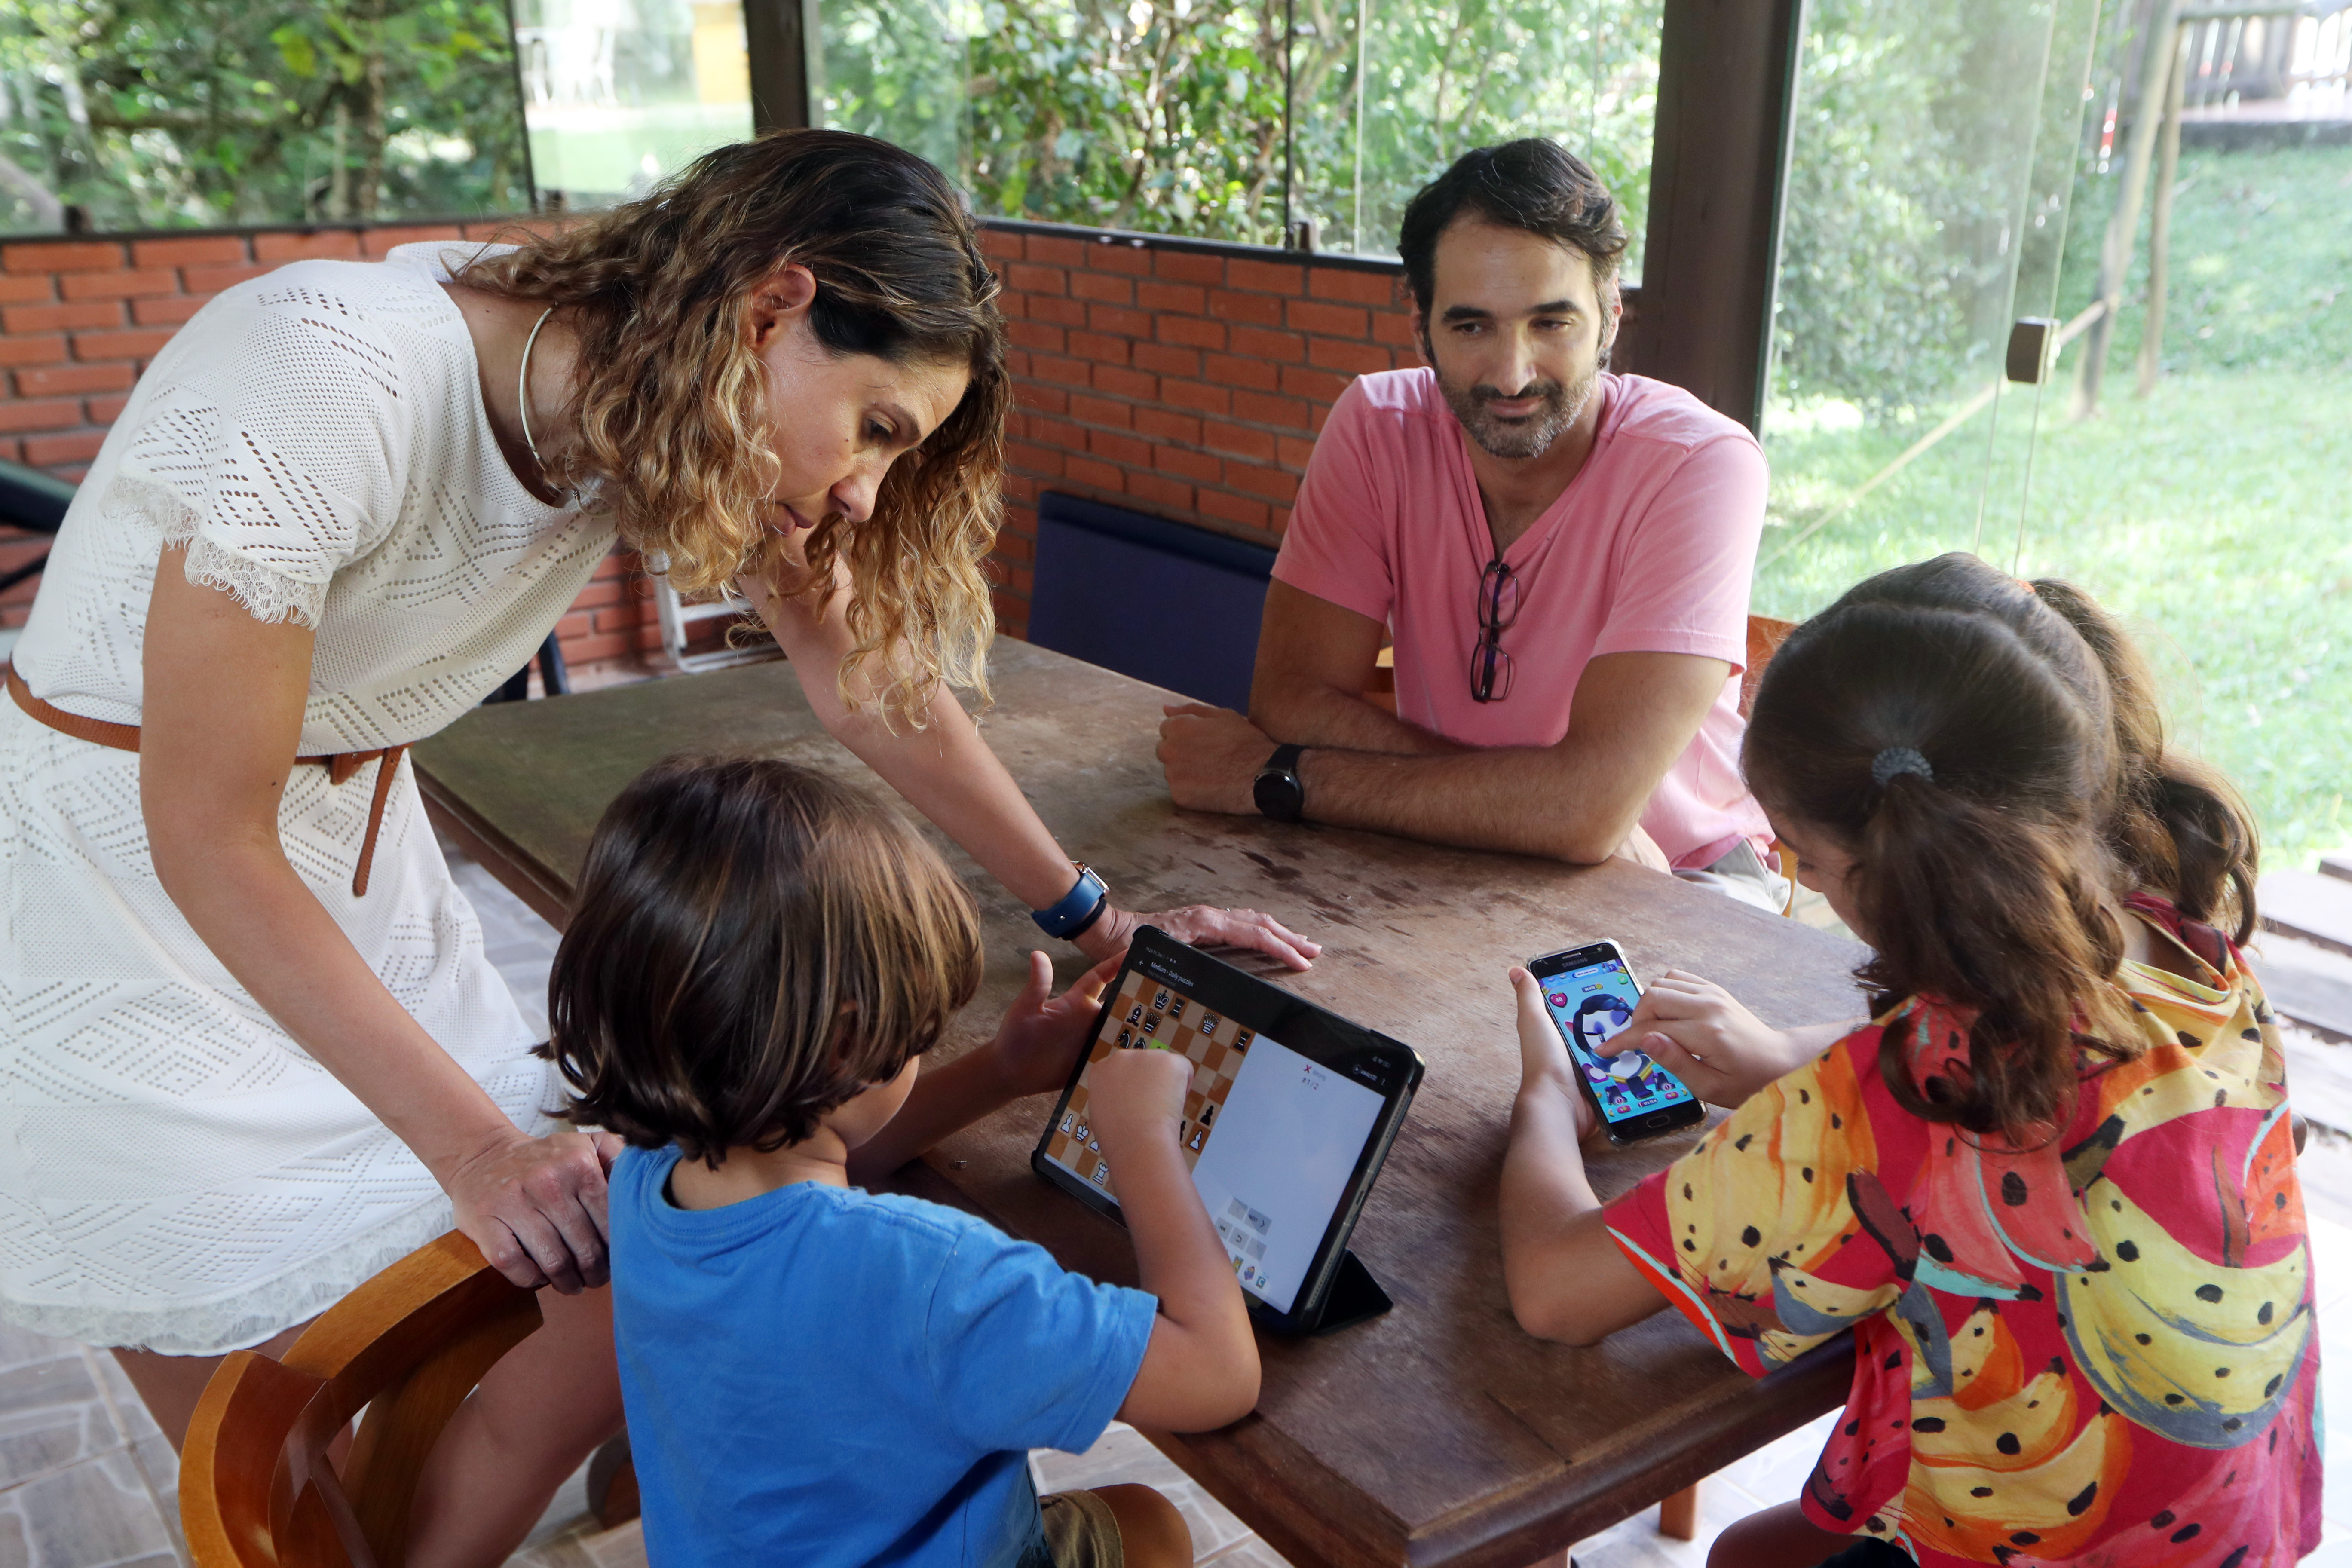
x=1649 y=549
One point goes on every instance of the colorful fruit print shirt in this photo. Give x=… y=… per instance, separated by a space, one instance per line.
x=2099 y=1351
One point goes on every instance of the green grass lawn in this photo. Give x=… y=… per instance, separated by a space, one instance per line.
x=2214 y=515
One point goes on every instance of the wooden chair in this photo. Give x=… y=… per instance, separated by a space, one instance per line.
x=256 y=1489
x=1765 y=637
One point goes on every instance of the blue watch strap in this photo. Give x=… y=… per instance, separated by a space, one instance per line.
x=1077 y=909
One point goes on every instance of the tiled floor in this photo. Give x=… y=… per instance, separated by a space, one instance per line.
x=86 y=1481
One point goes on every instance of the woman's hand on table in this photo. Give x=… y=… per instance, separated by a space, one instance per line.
x=1700 y=1033
x=1043 y=1035
x=1544 y=1064
x=536 y=1206
x=1202 y=925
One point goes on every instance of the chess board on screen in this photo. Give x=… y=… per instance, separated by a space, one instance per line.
x=1148 y=1013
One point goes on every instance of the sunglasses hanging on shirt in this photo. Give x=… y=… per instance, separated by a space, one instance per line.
x=1499 y=607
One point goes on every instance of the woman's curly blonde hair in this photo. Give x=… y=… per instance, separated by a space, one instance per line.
x=672 y=399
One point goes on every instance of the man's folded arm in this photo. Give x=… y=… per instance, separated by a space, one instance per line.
x=1314 y=659
x=1576 y=801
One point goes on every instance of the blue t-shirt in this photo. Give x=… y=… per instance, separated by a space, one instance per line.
x=823 y=1375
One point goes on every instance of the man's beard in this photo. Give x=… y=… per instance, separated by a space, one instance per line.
x=1526 y=438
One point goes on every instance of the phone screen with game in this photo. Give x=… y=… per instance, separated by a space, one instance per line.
x=1275 y=1137
x=1591 y=994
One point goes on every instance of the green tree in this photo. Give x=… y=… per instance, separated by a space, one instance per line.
x=160 y=113
x=1168 y=115
x=1916 y=133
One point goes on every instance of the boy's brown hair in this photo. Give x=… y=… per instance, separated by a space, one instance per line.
x=755 y=944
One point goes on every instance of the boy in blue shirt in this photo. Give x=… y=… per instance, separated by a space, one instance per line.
x=816 y=1375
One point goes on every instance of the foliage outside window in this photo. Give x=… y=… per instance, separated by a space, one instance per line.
x=1951 y=172
x=129 y=114
x=1168 y=116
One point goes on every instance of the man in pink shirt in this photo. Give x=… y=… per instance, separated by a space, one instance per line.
x=1560 y=556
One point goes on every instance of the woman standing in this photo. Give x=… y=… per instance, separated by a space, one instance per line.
x=253 y=1050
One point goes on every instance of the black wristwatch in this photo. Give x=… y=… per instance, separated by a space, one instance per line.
x=1277 y=791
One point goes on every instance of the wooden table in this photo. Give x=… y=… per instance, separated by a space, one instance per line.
x=1439 y=1433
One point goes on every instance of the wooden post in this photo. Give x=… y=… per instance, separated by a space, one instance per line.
x=2115 y=254
x=2159 y=223
x=783 y=40
x=1719 y=157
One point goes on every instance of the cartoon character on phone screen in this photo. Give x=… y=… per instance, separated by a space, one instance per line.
x=1621 y=1079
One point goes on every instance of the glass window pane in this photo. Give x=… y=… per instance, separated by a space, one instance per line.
x=899 y=69
x=1905 y=215
x=163 y=113
x=1384 y=109
x=1167 y=116
x=619 y=93
x=1158 y=115
x=2207 y=510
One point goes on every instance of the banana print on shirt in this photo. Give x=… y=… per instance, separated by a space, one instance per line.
x=2096 y=1350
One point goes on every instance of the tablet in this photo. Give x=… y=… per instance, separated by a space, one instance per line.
x=1291 y=1111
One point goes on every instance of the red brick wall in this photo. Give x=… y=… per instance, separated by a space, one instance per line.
x=1186 y=381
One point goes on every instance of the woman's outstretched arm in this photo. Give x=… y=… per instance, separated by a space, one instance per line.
x=221 y=721
x=947 y=772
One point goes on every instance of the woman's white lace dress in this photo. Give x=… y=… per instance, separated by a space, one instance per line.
x=176 y=1173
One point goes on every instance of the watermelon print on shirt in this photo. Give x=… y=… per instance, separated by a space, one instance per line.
x=2100 y=1351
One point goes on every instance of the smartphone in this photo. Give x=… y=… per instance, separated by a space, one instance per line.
x=1591 y=994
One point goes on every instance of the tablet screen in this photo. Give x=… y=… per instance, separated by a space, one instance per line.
x=1271 y=1136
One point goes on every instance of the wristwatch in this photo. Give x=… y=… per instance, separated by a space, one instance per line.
x=1277 y=791
x=1078 y=910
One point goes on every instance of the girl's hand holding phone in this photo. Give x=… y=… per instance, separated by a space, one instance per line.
x=1544 y=1064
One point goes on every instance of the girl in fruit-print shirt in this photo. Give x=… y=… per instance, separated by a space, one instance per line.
x=2050 y=1185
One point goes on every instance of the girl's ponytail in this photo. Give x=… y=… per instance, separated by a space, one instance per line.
x=1968 y=904
x=1966 y=778
x=2177 y=826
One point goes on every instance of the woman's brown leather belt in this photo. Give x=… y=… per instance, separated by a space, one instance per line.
x=125 y=738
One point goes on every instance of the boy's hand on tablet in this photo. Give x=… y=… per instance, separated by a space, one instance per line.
x=1698 y=1031
x=1043 y=1035
x=1137 y=1095
x=1544 y=1064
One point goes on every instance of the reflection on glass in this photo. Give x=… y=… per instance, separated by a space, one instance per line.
x=1913 y=196
x=2207 y=511
x=1158 y=115
x=619 y=93
x=1385 y=106
x=170 y=113
x=1168 y=116
x=2023 y=411
x=899 y=70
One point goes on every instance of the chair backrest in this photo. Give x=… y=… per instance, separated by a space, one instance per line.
x=1175 y=606
x=256 y=1487
x=1765 y=637
x=31 y=499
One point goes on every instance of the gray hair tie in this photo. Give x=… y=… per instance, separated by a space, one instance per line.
x=1896 y=760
